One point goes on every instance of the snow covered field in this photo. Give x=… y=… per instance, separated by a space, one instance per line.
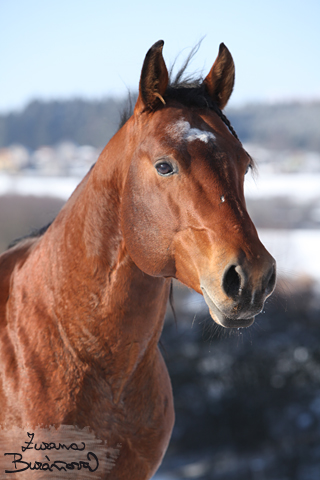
x=60 y=187
x=301 y=187
x=297 y=251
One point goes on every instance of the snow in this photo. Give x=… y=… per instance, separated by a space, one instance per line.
x=182 y=129
x=60 y=187
x=301 y=187
x=297 y=252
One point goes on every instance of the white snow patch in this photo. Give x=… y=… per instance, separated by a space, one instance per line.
x=183 y=130
x=196 y=134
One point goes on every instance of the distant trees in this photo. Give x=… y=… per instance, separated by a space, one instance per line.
x=48 y=123
x=281 y=126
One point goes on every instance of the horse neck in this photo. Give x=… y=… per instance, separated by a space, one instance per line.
x=100 y=294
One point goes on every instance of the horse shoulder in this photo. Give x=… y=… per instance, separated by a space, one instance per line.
x=9 y=260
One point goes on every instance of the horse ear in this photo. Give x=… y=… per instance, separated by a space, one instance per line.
x=220 y=80
x=154 y=79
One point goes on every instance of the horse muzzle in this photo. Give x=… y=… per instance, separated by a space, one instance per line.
x=241 y=294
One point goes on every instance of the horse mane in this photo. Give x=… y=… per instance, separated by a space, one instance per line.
x=36 y=232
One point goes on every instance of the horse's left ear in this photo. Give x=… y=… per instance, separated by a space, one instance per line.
x=154 y=79
x=220 y=80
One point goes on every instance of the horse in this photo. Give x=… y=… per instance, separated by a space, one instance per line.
x=82 y=304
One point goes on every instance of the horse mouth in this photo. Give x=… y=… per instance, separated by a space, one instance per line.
x=222 y=319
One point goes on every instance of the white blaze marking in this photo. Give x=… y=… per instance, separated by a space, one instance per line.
x=184 y=130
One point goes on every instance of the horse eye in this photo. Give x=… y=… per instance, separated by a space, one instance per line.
x=248 y=168
x=164 y=168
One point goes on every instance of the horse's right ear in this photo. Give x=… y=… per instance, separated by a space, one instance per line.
x=153 y=81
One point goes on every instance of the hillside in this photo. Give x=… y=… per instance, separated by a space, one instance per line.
x=281 y=126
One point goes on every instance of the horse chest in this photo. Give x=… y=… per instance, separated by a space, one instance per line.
x=138 y=423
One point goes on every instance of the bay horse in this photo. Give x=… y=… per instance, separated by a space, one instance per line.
x=82 y=304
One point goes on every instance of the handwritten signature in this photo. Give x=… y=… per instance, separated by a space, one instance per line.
x=21 y=465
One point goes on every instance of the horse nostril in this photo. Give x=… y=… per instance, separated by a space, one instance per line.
x=272 y=280
x=231 y=282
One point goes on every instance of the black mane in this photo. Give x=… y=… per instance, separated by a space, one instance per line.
x=34 y=234
x=194 y=94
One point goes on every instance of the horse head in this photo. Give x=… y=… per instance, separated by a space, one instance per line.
x=183 y=211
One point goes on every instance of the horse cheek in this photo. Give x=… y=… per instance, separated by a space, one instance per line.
x=144 y=238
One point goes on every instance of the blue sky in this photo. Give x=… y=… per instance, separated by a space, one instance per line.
x=95 y=48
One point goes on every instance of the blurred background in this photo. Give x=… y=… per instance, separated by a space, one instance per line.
x=247 y=401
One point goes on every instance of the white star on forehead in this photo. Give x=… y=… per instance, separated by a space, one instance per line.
x=182 y=129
